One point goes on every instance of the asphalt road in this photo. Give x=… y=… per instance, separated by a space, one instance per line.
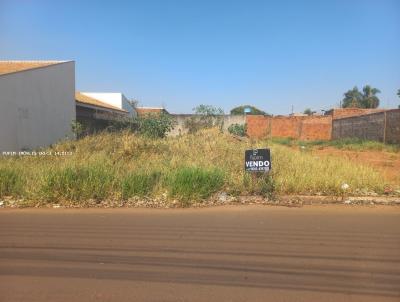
x=244 y=253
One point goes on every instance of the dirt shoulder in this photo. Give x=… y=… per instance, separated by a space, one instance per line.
x=219 y=200
x=387 y=163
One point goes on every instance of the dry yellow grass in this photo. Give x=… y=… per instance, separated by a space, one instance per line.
x=110 y=160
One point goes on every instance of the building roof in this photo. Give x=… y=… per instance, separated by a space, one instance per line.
x=150 y=110
x=7 y=67
x=84 y=99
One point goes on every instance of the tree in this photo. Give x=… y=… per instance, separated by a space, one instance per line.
x=370 y=100
x=352 y=98
x=365 y=99
x=205 y=116
x=253 y=110
x=308 y=111
x=134 y=103
x=208 y=110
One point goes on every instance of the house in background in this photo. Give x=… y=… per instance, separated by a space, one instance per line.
x=36 y=103
x=96 y=115
x=115 y=99
x=143 y=111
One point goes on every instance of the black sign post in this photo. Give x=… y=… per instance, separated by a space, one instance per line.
x=257 y=160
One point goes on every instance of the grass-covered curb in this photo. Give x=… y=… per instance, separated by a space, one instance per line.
x=217 y=200
x=123 y=168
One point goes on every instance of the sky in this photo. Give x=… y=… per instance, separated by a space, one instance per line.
x=179 y=54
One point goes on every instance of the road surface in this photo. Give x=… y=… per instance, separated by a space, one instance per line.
x=243 y=253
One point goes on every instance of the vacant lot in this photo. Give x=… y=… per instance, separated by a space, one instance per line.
x=387 y=163
x=124 y=166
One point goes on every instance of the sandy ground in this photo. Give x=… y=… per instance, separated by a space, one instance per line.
x=387 y=163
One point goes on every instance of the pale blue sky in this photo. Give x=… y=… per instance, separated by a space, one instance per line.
x=272 y=54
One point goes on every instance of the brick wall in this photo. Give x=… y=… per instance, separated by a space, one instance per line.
x=348 y=112
x=299 y=127
x=316 y=128
x=258 y=126
x=381 y=126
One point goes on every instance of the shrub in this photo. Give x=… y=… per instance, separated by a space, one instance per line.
x=11 y=182
x=77 y=183
x=237 y=129
x=78 y=129
x=155 y=125
x=139 y=184
x=194 y=183
x=206 y=116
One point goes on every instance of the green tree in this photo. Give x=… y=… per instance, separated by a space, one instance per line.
x=154 y=125
x=308 y=111
x=352 y=98
x=366 y=99
x=208 y=110
x=398 y=94
x=205 y=116
x=253 y=110
x=369 y=98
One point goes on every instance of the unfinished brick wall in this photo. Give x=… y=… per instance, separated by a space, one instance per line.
x=348 y=112
x=381 y=126
x=258 y=126
x=298 y=127
x=316 y=128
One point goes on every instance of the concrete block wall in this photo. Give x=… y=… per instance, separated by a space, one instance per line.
x=181 y=119
x=381 y=126
x=392 y=135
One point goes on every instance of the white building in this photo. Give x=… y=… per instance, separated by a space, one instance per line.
x=115 y=99
x=37 y=103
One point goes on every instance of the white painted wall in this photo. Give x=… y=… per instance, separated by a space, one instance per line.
x=116 y=99
x=37 y=106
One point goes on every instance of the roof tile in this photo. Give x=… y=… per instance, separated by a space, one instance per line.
x=16 y=66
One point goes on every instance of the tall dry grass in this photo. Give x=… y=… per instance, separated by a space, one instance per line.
x=190 y=167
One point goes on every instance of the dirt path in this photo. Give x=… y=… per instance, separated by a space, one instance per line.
x=387 y=163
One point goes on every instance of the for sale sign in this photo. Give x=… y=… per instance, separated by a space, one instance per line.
x=257 y=160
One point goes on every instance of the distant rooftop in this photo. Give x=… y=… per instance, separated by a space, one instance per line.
x=16 y=66
x=150 y=110
x=84 y=99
